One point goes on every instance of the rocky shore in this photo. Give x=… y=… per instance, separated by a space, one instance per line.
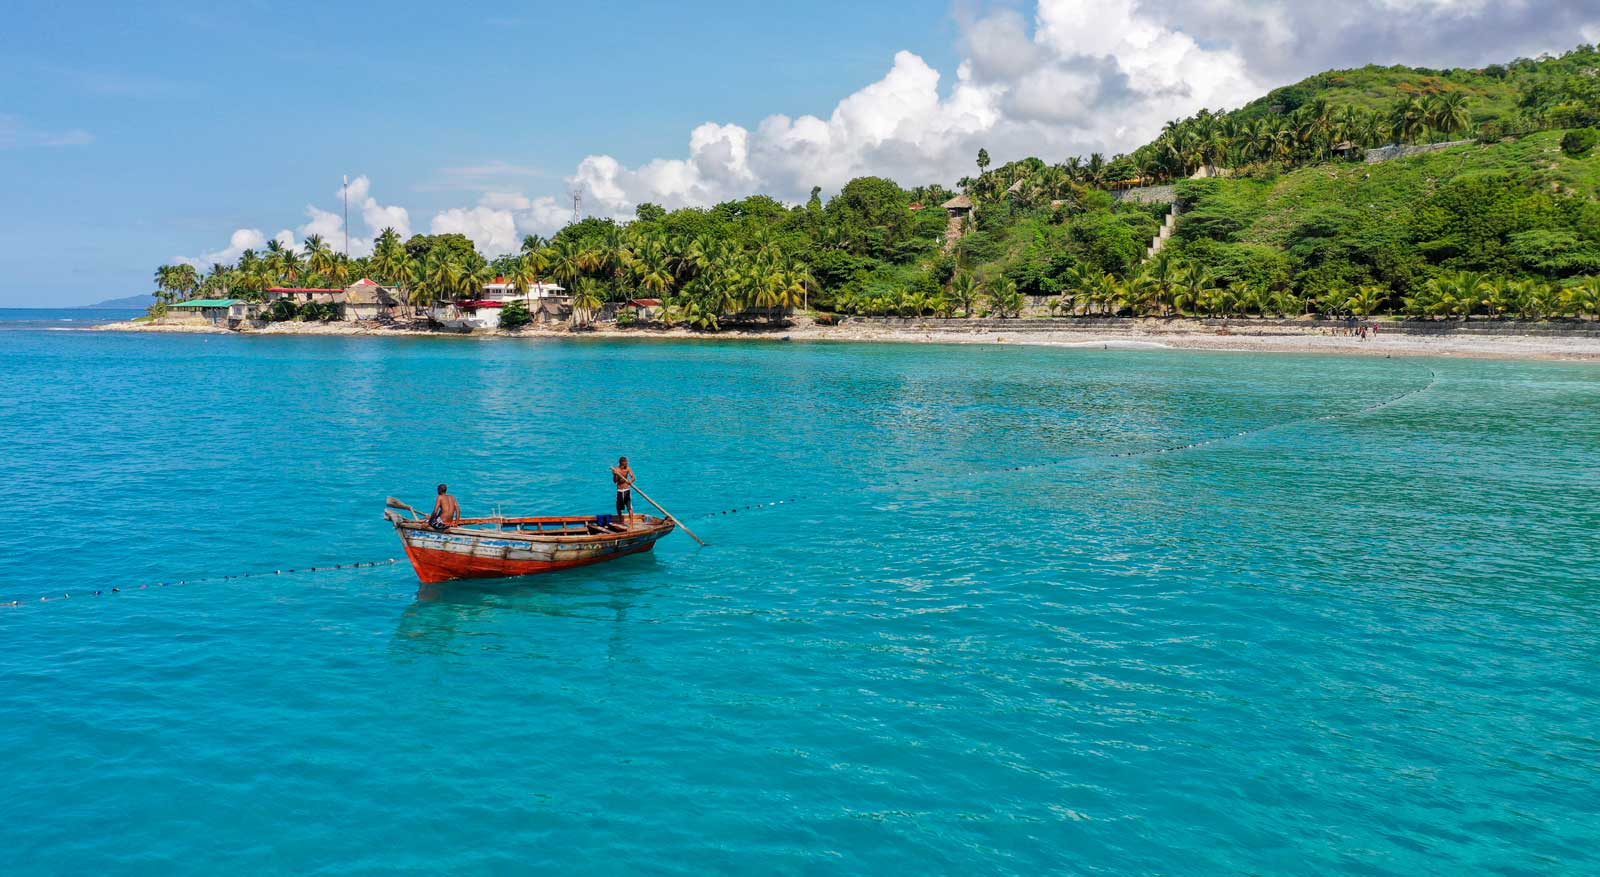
x=1489 y=339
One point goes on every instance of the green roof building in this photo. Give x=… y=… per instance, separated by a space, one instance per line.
x=215 y=311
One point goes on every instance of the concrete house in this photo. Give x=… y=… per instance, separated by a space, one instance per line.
x=304 y=294
x=202 y=311
x=367 y=300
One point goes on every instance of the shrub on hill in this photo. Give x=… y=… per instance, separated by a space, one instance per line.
x=515 y=315
x=1578 y=143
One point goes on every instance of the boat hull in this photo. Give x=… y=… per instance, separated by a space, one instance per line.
x=449 y=555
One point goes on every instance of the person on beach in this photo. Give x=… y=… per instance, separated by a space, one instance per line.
x=446 y=511
x=622 y=476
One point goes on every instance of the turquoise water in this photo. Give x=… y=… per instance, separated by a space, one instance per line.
x=33 y=319
x=1363 y=644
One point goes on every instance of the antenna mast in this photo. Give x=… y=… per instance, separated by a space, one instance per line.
x=577 y=201
x=346 y=193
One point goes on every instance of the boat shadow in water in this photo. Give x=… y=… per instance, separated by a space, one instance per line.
x=443 y=615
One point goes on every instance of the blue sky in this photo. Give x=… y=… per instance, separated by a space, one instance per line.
x=133 y=135
x=199 y=120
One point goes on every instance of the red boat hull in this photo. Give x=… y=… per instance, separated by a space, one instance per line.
x=434 y=566
x=506 y=547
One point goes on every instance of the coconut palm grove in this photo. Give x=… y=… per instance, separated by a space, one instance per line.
x=1289 y=205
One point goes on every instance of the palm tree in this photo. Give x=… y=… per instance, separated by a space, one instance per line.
x=1365 y=300
x=1078 y=286
x=1095 y=171
x=1408 y=119
x=791 y=292
x=800 y=274
x=282 y=263
x=388 y=257
x=1584 y=298
x=654 y=270
x=340 y=269
x=439 y=278
x=913 y=304
x=964 y=292
x=474 y=278
x=319 y=256
x=1471 y=293
x=166 y=285
x=1448 y=113
x=176 y=282
x=1162 y=276
x=1368 y=132
x=1224 y=300
x=1006 y=299
x=1501 y=295
x=218 y=281
x=566 y=263
x=1284 y=143
x=1262 y=138
x=1285 y=302
x=585 y=301
x=1193 y=285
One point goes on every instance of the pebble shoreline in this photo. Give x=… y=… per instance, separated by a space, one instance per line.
x=1179 y=334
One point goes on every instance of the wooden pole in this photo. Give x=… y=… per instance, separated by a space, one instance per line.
x=393 y=503
x=671 y=517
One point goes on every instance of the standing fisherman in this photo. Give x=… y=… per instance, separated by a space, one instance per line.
x=622 y=476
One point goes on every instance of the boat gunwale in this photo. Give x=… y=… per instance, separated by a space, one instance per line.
x=655 y=527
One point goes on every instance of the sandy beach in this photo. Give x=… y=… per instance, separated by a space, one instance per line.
x=1504 y=342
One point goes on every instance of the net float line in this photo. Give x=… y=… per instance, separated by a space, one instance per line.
x=100 y=592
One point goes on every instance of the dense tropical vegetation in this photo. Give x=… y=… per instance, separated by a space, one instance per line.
x=1281 y=217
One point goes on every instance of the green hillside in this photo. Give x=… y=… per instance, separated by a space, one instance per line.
x=1498 y=95
x=1289 y=219
x=1514 y=208
x=1494 y=97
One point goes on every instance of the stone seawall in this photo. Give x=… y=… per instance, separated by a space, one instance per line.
x=1386 y=153
x=1148 y=195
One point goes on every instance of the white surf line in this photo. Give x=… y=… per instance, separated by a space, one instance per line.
x=1100 y=345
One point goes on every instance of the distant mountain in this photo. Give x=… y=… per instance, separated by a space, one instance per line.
x=132 y=301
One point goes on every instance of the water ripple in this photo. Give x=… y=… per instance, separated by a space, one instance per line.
x=1351 y=628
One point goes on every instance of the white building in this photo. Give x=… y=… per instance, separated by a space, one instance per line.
x=504 y=290
x=545 y=301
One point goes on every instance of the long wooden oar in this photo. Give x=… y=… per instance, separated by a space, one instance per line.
x=670 y=516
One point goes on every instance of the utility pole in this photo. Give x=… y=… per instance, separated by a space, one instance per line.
x=346 y=192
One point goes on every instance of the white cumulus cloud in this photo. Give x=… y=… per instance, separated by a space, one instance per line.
x=377 y=216
x=1072 y=77
x=1080 y=76
x=328 y=223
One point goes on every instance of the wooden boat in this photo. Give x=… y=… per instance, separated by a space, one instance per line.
x=488 y=548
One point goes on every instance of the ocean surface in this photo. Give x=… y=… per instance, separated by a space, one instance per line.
x=1020 y=611
x=33 y=319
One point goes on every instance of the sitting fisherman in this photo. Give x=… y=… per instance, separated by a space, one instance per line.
x=446 y=511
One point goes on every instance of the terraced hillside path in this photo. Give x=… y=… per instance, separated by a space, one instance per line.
x=1160 y=242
